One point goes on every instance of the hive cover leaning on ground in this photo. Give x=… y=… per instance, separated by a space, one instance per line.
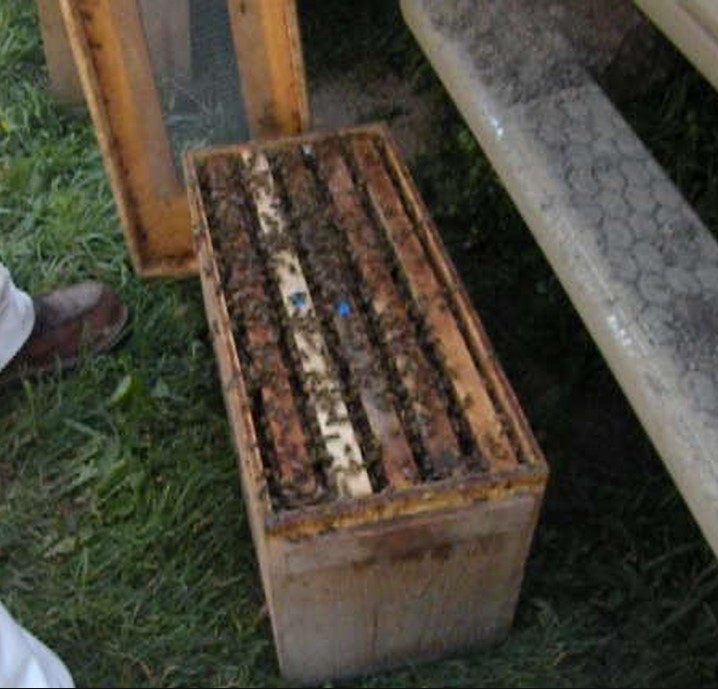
x=360 y=385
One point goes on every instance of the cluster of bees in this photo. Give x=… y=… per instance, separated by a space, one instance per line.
x=371 y=353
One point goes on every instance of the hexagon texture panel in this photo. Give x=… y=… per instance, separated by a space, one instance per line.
x=636 y=260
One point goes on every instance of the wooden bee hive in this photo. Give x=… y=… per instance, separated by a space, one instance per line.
x=391 y=480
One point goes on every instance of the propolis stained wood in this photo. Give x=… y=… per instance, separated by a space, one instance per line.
x=392 y=482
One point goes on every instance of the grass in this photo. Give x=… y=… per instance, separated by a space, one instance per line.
x=124 y=543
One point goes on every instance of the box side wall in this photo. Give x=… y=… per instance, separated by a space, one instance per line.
x=369 y=599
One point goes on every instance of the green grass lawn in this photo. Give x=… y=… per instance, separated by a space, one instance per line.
x=123 y=539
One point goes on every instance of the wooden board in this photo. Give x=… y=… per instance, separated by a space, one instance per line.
x=291 y=463
x=430 y=562
x=113 y=60
x=414 y=371
x=166 y=25
x=337 y=433
x=271 y=66
x=321 y=243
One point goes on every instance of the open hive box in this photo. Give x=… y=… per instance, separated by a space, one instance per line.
x=391 y=480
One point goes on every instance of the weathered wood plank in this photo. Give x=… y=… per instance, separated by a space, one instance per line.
x=406 y=592
x=271 y=66
x=167 y=28
x=476 y=336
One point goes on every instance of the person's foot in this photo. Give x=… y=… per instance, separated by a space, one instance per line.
x=86 y=318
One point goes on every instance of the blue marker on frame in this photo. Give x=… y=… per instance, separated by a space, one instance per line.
x=298 y=300
x=343 y=308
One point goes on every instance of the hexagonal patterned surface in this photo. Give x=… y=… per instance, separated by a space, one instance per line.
x=638 y=264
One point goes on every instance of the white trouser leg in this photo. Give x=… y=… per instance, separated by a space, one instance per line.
x=17 y=318
x=25 y=661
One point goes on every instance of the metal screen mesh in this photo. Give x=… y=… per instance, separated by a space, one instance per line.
x=195 y=69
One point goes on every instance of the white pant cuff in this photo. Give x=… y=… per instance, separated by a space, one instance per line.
x=17 y=318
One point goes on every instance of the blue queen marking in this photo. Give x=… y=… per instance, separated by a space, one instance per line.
x=343 y=308
x=298 y=300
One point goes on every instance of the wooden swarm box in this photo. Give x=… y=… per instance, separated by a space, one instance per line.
x=391 y=480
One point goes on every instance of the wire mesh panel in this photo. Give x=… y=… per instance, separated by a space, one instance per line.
x=195 y=69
